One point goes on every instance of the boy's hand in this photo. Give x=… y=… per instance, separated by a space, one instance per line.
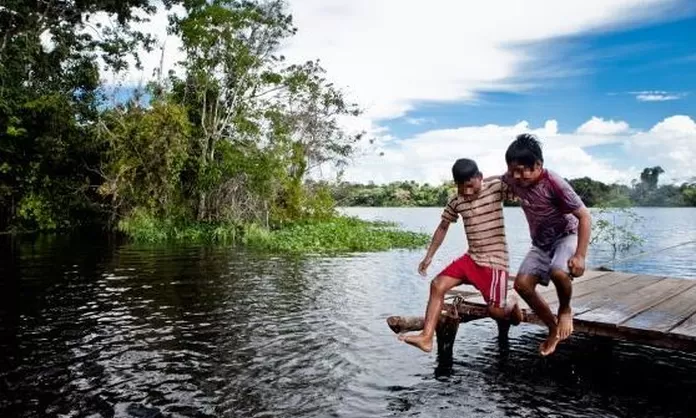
x=576 y=264
x=423 y=266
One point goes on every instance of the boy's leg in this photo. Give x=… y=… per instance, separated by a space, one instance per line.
x=511 y=313
x=534 y=271
x=499 y=307
x=562 y=280
x=438 y=288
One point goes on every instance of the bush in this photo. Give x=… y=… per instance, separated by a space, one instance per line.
x=339 y=234
x=334 y=235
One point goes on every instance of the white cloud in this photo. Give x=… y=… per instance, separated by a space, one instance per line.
x=427 y=157
x=419 y=121
x=393 y=54
x=657 y=96
x=670 y=144
x=166 y=52
x=599 y=126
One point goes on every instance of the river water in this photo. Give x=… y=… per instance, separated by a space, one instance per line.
x=90 y=327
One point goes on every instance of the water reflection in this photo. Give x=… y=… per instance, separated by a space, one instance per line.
x=93 y=327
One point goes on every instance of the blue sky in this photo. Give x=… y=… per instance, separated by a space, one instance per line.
x=613 y=70
x=659 y=57
x=608 y=85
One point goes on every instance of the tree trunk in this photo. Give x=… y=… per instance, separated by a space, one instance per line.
x=446 y=332
x=201 y=206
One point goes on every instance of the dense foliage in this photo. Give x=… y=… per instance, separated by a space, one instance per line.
x=49 y=106
x=219 y=152
x=643 y=192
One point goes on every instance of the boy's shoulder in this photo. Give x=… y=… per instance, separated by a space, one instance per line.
x=562 y=191
x=551 y=175
x=490 y=187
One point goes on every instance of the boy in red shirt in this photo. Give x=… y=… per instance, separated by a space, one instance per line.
x=559 y=225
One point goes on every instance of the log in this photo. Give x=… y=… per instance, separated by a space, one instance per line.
x=446 y=332
x=400 y=324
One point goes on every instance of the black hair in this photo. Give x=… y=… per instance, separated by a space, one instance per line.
x=464 y=170
x=524 y=150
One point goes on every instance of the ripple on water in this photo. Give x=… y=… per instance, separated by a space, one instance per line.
x=200 y=332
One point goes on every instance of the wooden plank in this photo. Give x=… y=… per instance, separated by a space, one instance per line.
x=688 y=327
x=666 y=315
x=598 y=279
x=597 y=299
x=651 y=310
x=600 y=286
x=625 y=306
x=550 y=290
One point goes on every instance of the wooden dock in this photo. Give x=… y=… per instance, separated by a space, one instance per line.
x=651 y=310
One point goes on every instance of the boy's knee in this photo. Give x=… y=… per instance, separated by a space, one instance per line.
x=525 y=284
x=558 y=275
x=496 y=312
x=438 y=285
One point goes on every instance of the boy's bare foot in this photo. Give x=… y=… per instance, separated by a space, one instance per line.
x=565 y=323
x=549 y=346
x=419 y=340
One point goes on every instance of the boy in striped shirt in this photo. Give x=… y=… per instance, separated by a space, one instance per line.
x=485 y=264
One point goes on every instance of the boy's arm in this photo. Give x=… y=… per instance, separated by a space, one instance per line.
x=438 y=237
x=572 y=203
x=507 y=192
x=449 y=216
x=577 y=263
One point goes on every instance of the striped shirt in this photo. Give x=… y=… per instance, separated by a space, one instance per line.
x=484 y=224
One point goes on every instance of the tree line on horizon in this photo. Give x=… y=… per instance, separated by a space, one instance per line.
x=644 y=191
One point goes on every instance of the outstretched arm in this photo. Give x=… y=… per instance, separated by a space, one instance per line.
x=577 y=262
x=438 y=237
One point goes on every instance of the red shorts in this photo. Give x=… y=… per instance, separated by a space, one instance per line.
x=492 y=283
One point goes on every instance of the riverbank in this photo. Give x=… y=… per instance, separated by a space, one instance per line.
x=335 y=235
x=644 y=192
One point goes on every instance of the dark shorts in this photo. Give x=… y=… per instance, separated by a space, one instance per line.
x=539 y=263
x=492 y=283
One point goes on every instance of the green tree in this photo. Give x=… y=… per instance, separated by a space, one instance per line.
x=49 y=97
x=245 y=102
x=688 y=192
x=146 y=152
x=590 y=191
x=615 y=227
x=650 y=176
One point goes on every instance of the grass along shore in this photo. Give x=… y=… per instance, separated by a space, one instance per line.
x=339 y=234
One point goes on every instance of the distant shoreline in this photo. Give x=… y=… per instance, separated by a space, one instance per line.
x=515 y=206
x=642 y=193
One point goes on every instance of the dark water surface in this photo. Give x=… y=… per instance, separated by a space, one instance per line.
x=95 y=328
